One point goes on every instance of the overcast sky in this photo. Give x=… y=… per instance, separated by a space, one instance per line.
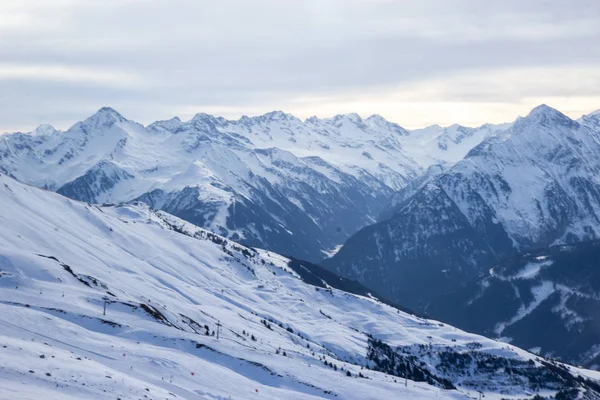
x=417 y=62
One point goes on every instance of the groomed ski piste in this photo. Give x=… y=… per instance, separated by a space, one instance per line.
x=124 y=302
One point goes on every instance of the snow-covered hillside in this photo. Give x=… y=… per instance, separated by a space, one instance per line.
x=532 y=185
x=192 y=315
x=297 y=187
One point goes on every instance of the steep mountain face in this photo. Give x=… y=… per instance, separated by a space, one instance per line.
x=532 y=185
x=409 y=270
x=273 y=181
x=127 y=302
x=547 y=301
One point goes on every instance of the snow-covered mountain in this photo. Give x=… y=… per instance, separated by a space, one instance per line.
x=532 y=185
x=296 y=187
x=125 y=302
x=447 y=145
x=546 y=301
x=591 y=120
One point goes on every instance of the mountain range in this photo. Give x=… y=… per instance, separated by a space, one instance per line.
x=423 y=215
x=530 y=186
x=273 y=181
x=519 y=192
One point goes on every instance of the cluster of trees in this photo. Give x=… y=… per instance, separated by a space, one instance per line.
x=252 y=337
x=386 y=360
x=207 y=331
x=280 y=351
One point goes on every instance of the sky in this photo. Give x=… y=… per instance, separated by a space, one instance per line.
x=415 y=62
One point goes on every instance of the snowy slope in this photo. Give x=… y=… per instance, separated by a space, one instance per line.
x=168 y=285
x=297 y=187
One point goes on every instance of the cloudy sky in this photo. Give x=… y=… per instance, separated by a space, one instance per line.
x=416 y=62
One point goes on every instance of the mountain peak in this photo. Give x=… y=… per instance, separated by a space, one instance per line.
x=377 y=118
x=354 y=117
x=276 y=115
x=593 y=114
x=546 y=116
x=591 y=120
x=202 y=117
x=541 y=108
x=105 y=116
x=339 y=119
x=44 y=130
x=168 y=125
x=380 y=121
x=545 y=110
x=203 y=121
x=109 y=112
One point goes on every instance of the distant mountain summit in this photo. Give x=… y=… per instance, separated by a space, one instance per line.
x=532 y=185
x=272 y=181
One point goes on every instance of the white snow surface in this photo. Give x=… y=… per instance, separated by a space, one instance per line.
x=532 y=269
x=61 y=259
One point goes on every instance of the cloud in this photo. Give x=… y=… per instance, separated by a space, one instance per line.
x=157 y=58
x=66 y=73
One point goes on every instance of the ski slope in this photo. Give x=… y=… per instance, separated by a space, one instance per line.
x=168 y=287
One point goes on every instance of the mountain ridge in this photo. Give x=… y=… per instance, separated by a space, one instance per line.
x=337 y=172
x=531 y=185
